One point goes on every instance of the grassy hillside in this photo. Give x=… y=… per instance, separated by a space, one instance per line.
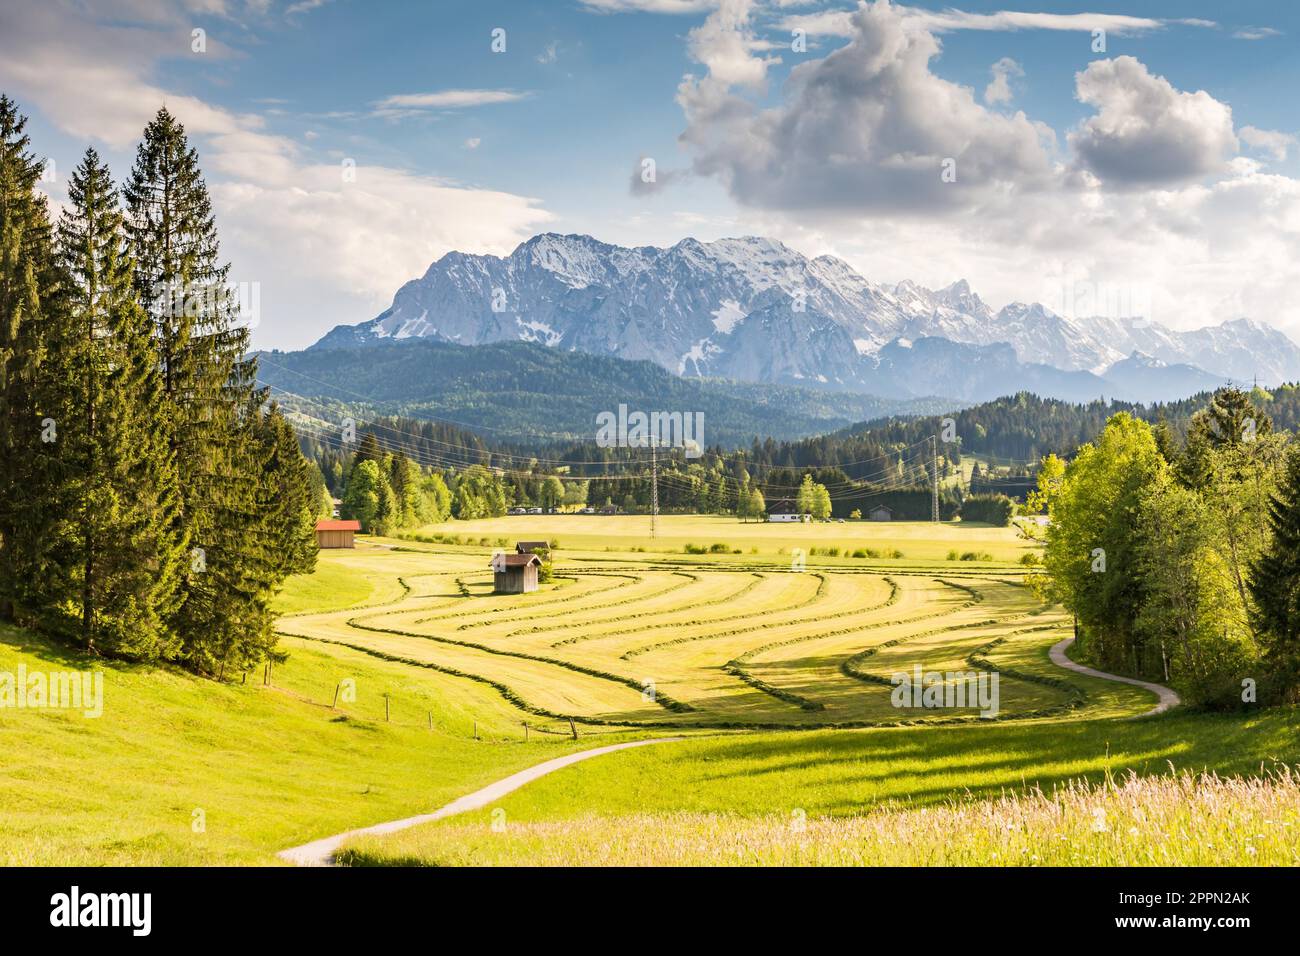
x=743 y=800
x=267 y=767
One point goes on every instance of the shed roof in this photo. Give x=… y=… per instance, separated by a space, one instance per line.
x=517 y=560
x=326 y=525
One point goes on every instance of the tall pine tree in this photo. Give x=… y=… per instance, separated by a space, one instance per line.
x=29 y=295
x=1275 y=580
x=114 y=550
x=213 y=408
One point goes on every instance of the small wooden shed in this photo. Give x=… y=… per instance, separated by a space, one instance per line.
x=881 y=513
x=532 y=547
x=337 y=534
x=514 y=573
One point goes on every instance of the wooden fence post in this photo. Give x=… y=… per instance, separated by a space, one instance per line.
x=525 y=723
x=337 y=687
x=386 y=699
x=573 y=729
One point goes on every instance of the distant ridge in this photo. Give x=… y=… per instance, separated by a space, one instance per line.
x=752 y=309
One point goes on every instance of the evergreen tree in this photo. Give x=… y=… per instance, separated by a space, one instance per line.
x=114 y=550
x=364 y=495
x=29 y=295
x=211 y=405
x=1275 y=579
x=290 y=497
x=404 y=478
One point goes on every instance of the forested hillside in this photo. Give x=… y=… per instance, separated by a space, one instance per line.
x=524 y=393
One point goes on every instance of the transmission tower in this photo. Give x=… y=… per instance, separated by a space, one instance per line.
x=654 y=487
x=934 y=480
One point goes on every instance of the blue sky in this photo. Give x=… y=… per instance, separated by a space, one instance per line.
x=1171 y=171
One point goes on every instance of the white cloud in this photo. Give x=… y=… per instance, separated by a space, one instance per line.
x=999 y=88
x=473 y=142
x=839 y=22
x=449 y=99
x=649 y=6
x=1256 y=33
x=726 y=45
x=1153 y=199
x=1271 y=141
x=321 y=248
x=1145 y=132
x=867 y=129
x=549 y=55
x=304 y=6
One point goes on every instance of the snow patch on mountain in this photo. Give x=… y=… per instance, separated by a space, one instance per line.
x=727 y=315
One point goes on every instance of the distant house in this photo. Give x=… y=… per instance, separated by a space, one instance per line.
x=609 y=509
x=783 y=509
x=514 y=573
x=881 y=513
x=337 y=534
x=532 y=547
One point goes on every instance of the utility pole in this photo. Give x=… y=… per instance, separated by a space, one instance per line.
x=934 y=482
x=654 y=487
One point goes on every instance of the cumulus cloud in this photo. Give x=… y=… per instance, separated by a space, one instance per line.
x=1273 y=142
x=868 y=128
x=999 y=88
x=1153 y=197
x=1145 y=132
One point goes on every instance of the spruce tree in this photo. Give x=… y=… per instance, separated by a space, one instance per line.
x=213 y=408
x=29 y=296
x=114 y=548
x=1275 y=579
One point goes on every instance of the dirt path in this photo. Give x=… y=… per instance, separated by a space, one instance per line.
x=321 y=852
x=1168 y=698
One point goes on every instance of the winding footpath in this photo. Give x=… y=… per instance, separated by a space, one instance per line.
x=322 y=852
x=1167 y=698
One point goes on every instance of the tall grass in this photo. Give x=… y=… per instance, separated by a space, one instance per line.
x=1172 y=820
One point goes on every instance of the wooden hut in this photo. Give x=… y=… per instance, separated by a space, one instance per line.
x=337 y=534
x=515 y=573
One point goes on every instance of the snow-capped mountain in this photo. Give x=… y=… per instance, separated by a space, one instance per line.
x=755 y=310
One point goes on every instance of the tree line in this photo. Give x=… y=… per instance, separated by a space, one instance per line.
x=1179 y=554
x=152 y=498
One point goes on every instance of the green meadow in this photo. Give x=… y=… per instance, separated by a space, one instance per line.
x=408 y=683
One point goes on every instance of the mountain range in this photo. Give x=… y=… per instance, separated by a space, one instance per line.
x=753 y=310
x=525 y=392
